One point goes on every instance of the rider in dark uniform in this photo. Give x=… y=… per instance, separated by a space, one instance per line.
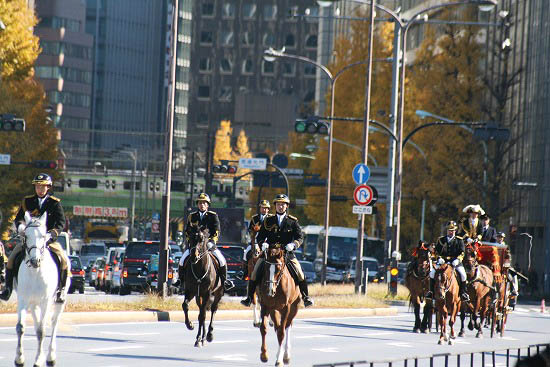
x=450 y=249
x=488 y=234
x=209 y=219
x=36 y=205
x=253 y=228
x=282 y=229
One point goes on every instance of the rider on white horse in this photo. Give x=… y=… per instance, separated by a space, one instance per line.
x=209 y=219
x=38 y=204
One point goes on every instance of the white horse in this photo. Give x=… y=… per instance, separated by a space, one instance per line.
x=36 y=286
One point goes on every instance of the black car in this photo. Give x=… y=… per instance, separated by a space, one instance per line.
x=234 y=256
x=134 y=266
x=77 y=270
x=309 y=271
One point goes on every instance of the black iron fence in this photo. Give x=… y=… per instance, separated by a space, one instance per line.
x=497 y=357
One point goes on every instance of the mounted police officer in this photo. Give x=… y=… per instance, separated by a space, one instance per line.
x=210 y=220
x=38 y=204
x=471 y=228
x=450 y=249
x=253 y=228
x=282 y=229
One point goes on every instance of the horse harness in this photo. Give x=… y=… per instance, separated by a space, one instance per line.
x=28 y=249
x=278 y=281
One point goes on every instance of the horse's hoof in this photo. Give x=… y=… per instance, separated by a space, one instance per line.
x=257 y=324
x=209 y=337
x=50 y=363
x=190 y=326
x=479 y=335
x=425 y=331
x=470 y=327
x=440 y=342
x=198 y=344
x=286 y=360
x=461 y=334
x=263 y=357
x=19 y=364
x=451 y=342
x=416 y=330
x=279 y=364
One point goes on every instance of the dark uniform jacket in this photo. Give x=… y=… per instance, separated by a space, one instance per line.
x=450 y=250
x=466 y=230
x=55 y=219
x=489 y=235
x=209 y=220
x=289 y=231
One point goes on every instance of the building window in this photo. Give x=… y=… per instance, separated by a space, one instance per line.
x=309 y=70
x=226 y=94
x=226 y=38
x=311 y=41
x=270 y=12
x=207 y=9
x=205 y=65
x=268 y=68
x=68 y=74
x=289 y=68
x=206 y=38
x=313 y=13
x=249 y=11
x=290 y=41
x=247 y=38
x=248 y=66
x=226 y=65
x=292 y=12
x=269 y=39
x=204 y=92
x=228 y=10
x=69 y=98
x=72 y=25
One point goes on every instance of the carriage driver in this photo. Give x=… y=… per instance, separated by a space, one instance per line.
x=471 y=227
x=205 y=217
x=450 y=248
x=280 y=229
x=253 y=228
x=37 y=204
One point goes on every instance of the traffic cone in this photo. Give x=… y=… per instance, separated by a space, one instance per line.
x=542 y=306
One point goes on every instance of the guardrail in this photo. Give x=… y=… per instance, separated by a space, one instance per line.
x=436 y=358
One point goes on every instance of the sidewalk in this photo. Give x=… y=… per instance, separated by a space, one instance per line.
x=74 y=318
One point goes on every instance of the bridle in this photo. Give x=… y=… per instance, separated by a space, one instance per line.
x=277 y=280
x=28 y=250
x=448 y=280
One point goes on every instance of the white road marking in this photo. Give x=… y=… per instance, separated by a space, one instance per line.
x=520 y=309
x=401 y=344
x=229 y=341
x=233 y=328
x=115 y=348
x=508 y=338
x=461 y=342
x=232 y=357
x=127 y=334
x=14 y=339
x=378 y=333
x=307 y=327
x=312 y=336
x=326 y=350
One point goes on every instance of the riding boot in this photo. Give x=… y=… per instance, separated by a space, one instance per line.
x=179 y=282
x=249 y=293
x=5 y=295
x=430 y=293
x=60 y=297
x=463 y=291
x=227 y=284
x=305 y=294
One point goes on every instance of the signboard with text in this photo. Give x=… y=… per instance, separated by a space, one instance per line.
x=100 y=211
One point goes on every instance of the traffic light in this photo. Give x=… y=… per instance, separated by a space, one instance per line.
x=9 y=123
x=45 y=164
x=225 y=167
x=311 y=126
x=394 y=272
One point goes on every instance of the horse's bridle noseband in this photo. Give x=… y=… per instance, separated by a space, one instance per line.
x=28 y=249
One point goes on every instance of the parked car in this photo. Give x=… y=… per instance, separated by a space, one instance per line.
x=111 y=263
x=77 y=280
x=309 y=271
x=134 y=266
x=234 y=256
x=369 y=263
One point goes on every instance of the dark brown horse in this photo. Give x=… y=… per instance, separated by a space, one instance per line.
x=202 y=283
x=417 y=281
x=279 y=299
x=251 y=263
x=480 y=289
x=447 y=300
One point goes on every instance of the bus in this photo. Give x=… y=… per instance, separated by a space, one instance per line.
x=311 y=239
x=342 y=247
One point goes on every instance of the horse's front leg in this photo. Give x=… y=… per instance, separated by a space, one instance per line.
x=213 y=309
x=263 y=330
x=416 y=328
x=185 y=307
x=461 y=333
x=281 y=329
x=256 y=310
x=199 y=341
x=442 y=326
x=20 y=328
x=454 y=307
x=57 y=310
x=40 y=328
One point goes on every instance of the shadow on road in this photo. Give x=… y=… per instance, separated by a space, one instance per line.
x=356 y=326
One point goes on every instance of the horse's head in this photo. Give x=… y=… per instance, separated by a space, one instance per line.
x=443 y=280
x=35 y=239
x=470 y=258
x=423 y=252
x=275 y=260
x=198 y=239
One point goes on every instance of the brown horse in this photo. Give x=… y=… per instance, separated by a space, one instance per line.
x=417 y=281
x=251 y=263
x=480 y=289
x=279 y=298
x=203 y=284
x=447 y=300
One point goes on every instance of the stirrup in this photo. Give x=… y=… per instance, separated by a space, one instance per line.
x=60 y=296
x=228 y=284
x=246 y=302
x=465 y=297
x=307 y=301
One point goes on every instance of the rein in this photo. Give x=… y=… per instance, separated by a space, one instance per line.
x=278 y=281
x=29 y=249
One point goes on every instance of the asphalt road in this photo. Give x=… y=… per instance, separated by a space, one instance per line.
x=237 y=343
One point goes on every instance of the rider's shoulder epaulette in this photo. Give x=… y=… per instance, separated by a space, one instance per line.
x=54 y=198
x=211 y=212
x=460 y=238
x=190 y=216
x=292 y=217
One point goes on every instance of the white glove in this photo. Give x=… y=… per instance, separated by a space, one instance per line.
x=440 y=261
x=265 y=246
x=21 y=229
x=469 y=240
x=290 y=246
x=210 y=244
x=455 y=263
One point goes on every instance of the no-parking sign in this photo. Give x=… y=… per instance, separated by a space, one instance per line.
x=363 y=195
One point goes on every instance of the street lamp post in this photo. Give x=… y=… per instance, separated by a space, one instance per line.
x=133 y=155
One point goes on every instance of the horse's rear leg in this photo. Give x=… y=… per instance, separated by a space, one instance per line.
x=461 y=333
x=426 y=324
x=20 y=328
x=442 y=326
x=185 y=307
x=214 y=308
x=263 y=331
x=57 y=310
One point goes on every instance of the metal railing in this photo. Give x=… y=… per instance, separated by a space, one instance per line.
x=488 y=358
